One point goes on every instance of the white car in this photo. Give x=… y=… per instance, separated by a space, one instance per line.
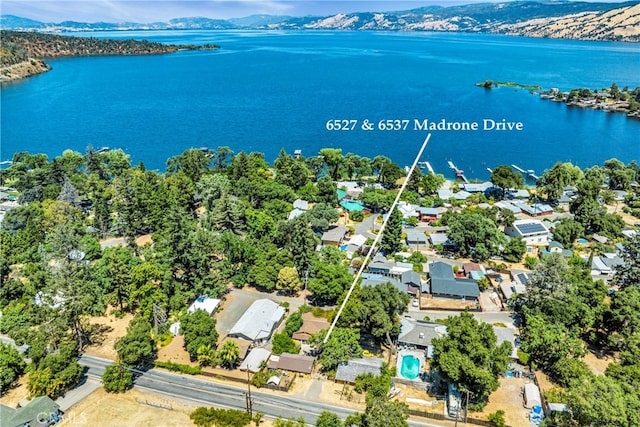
x=416 y=302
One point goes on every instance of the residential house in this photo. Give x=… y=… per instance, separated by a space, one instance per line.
x=310 y=325
x=253 y=362
x=556 y=247
x=294 y=363
x=536 y=209
x=504 y=204
x=353 y=245
x=428 y=214
x=409 y=287
x=417 y=239
x=334 y=236
x=532 y=231
x=510 y=289
x=481 y=187
x=203 y=302
x=41 y=411
x=258 y=322
x=349 y=371
x=446 y=194
x=443 y=283
x=299 y=207
x=418 y=334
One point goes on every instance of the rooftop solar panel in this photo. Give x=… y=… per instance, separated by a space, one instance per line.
x=531 y=227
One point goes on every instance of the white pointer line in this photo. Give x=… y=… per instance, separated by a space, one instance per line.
x=377 y=239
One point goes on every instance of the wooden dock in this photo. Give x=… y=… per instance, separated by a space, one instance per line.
x=459 y=172
x=529 y=173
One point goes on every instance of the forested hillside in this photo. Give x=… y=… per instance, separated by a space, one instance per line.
x=17 y=47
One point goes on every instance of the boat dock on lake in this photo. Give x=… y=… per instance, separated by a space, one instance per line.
x=459 y=172
x=529 y=173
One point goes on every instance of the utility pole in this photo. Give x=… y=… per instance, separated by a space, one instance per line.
x=466 y=408
x=249 y=401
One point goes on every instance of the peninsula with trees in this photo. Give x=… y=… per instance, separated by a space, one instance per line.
x=22 y=53
x=611 y=99
x=85 y=235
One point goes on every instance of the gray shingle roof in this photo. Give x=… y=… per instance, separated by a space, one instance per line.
x=443 y=282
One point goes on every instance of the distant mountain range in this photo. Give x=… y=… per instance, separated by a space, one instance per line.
x=552 y=19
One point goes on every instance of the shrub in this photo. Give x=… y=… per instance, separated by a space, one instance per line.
x=497 y=418
x=177 y=367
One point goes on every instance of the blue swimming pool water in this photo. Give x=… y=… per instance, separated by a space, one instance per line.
x=583 y=241
x=410 y=368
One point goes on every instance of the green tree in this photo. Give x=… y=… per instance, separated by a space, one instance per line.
x=342 y=345
x=52 y=373
x=381 y=307
x=599 y=401
x=515 y=249
x=288 y=280
x=192 y=162
x=387 y=172
x=199 y=329
x=469 y=357
x=567 y=230
x=547 y=342
x=11 y=366
x=333 y=160
x=320 y=216
x=381 y=412
x=628 y=274
x=497 y=418
x=137 y=346
x=283 y=343
x=328 y=419
x=328 y=280
x=504 y=178
x=208 y=417
x=391 y=241
x=293 y=323
x=431 y=183
x=553 y=181
x=117 y=378
x=475 y=234
x=327 y=191
x=229 y=354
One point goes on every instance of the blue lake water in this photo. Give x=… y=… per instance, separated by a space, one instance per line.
x=263 y=91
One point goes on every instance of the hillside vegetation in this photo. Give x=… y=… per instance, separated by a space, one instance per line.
x=21 y=52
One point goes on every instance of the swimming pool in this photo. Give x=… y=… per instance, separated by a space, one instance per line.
x=410 y=368
x=582 y=241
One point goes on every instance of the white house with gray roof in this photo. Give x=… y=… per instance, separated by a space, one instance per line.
x=532 y=231
x=259 y=321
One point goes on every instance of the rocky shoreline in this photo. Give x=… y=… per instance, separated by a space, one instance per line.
x=23 y=69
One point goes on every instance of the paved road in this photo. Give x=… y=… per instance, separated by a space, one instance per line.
x=228 y=396
x=498 y=317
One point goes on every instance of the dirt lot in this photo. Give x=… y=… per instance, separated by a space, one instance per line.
x=129 y=409
x=445 y=304
x=174 y=352
x=109 y=328
x=508 y=397
x=597 y=364
x=17 y=393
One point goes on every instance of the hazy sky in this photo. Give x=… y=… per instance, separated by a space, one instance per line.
x=162 y=10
